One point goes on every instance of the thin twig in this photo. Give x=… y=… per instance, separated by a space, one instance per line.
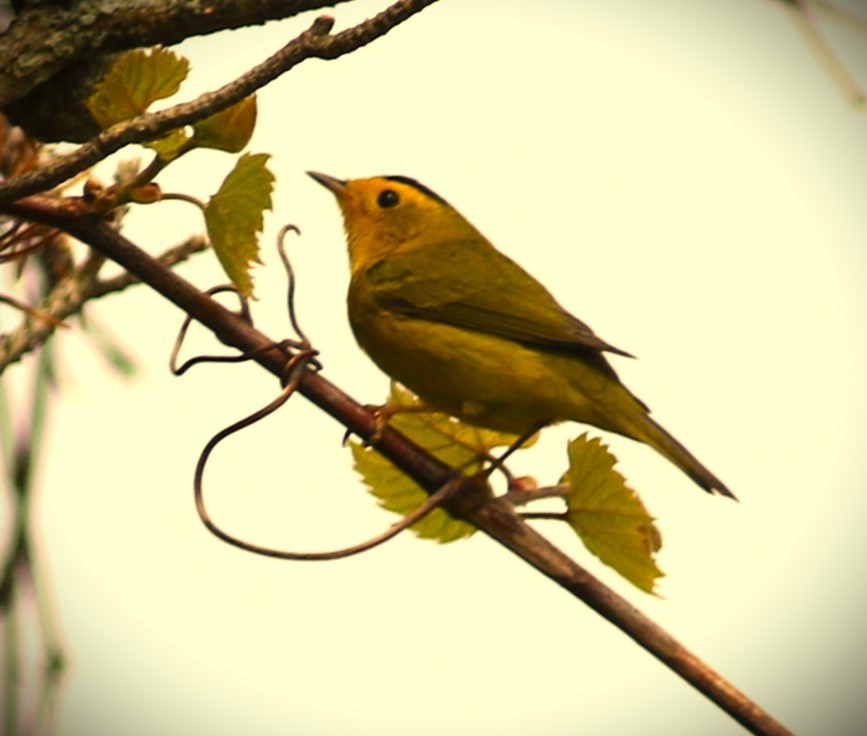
x=290 y=275
x=315 y=42
x=179 y=370
x=544 y=515
x=31 y=311
x=521 y=496
x=181 y=197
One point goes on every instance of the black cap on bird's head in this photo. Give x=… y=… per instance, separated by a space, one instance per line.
x=415 y=184
x=338 y=186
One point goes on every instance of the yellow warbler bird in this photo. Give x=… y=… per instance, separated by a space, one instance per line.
x=443 y=312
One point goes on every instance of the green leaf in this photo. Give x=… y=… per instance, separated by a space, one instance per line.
x=136 y=81
x=396 y=492
x=234 y=217
x=457 y=443
x=171 y=145
x=608 y=515
x=449 y=440
x=227 y=130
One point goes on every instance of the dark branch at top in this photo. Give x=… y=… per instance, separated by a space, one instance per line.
x=44 y=40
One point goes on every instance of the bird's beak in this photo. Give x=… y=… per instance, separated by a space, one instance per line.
x=336 y=186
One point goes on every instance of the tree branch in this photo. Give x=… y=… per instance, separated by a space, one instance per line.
x=315 y=42
x=496 y=517
x=44 y=40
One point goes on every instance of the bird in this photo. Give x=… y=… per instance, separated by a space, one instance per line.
x=444 y=313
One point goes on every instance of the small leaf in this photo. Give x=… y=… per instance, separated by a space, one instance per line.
x=455 y=443
x=227 y=130
x=136 y=81
x=396 y=491
x=234 y=216
x=171 y=145
x=608 y=515
x=447 y=439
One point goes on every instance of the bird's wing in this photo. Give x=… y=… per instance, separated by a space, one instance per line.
x=474 y=286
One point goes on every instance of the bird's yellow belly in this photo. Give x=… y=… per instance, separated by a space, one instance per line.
x=482 y=379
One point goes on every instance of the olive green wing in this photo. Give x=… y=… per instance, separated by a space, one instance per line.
x=472 y=285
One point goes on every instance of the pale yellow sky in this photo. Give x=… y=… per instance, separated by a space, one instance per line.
x=685 y=178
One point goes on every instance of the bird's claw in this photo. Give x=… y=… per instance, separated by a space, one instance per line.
x=382 y=414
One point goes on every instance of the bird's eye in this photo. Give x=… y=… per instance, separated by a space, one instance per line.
x=387 y=198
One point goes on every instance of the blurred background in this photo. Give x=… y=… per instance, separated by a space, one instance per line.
x=688 y=179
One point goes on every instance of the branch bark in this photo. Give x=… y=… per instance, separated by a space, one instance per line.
x=43 y=40
x=496 y=517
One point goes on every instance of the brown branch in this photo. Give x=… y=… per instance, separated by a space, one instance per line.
x=315 y=42
x=172 y=256
x=495 y=517
x=43 y=40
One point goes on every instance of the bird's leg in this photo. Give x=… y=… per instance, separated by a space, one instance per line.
x=498 y=463
x=382 y=414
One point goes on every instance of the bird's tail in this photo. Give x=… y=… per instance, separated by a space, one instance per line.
x=658 y=438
